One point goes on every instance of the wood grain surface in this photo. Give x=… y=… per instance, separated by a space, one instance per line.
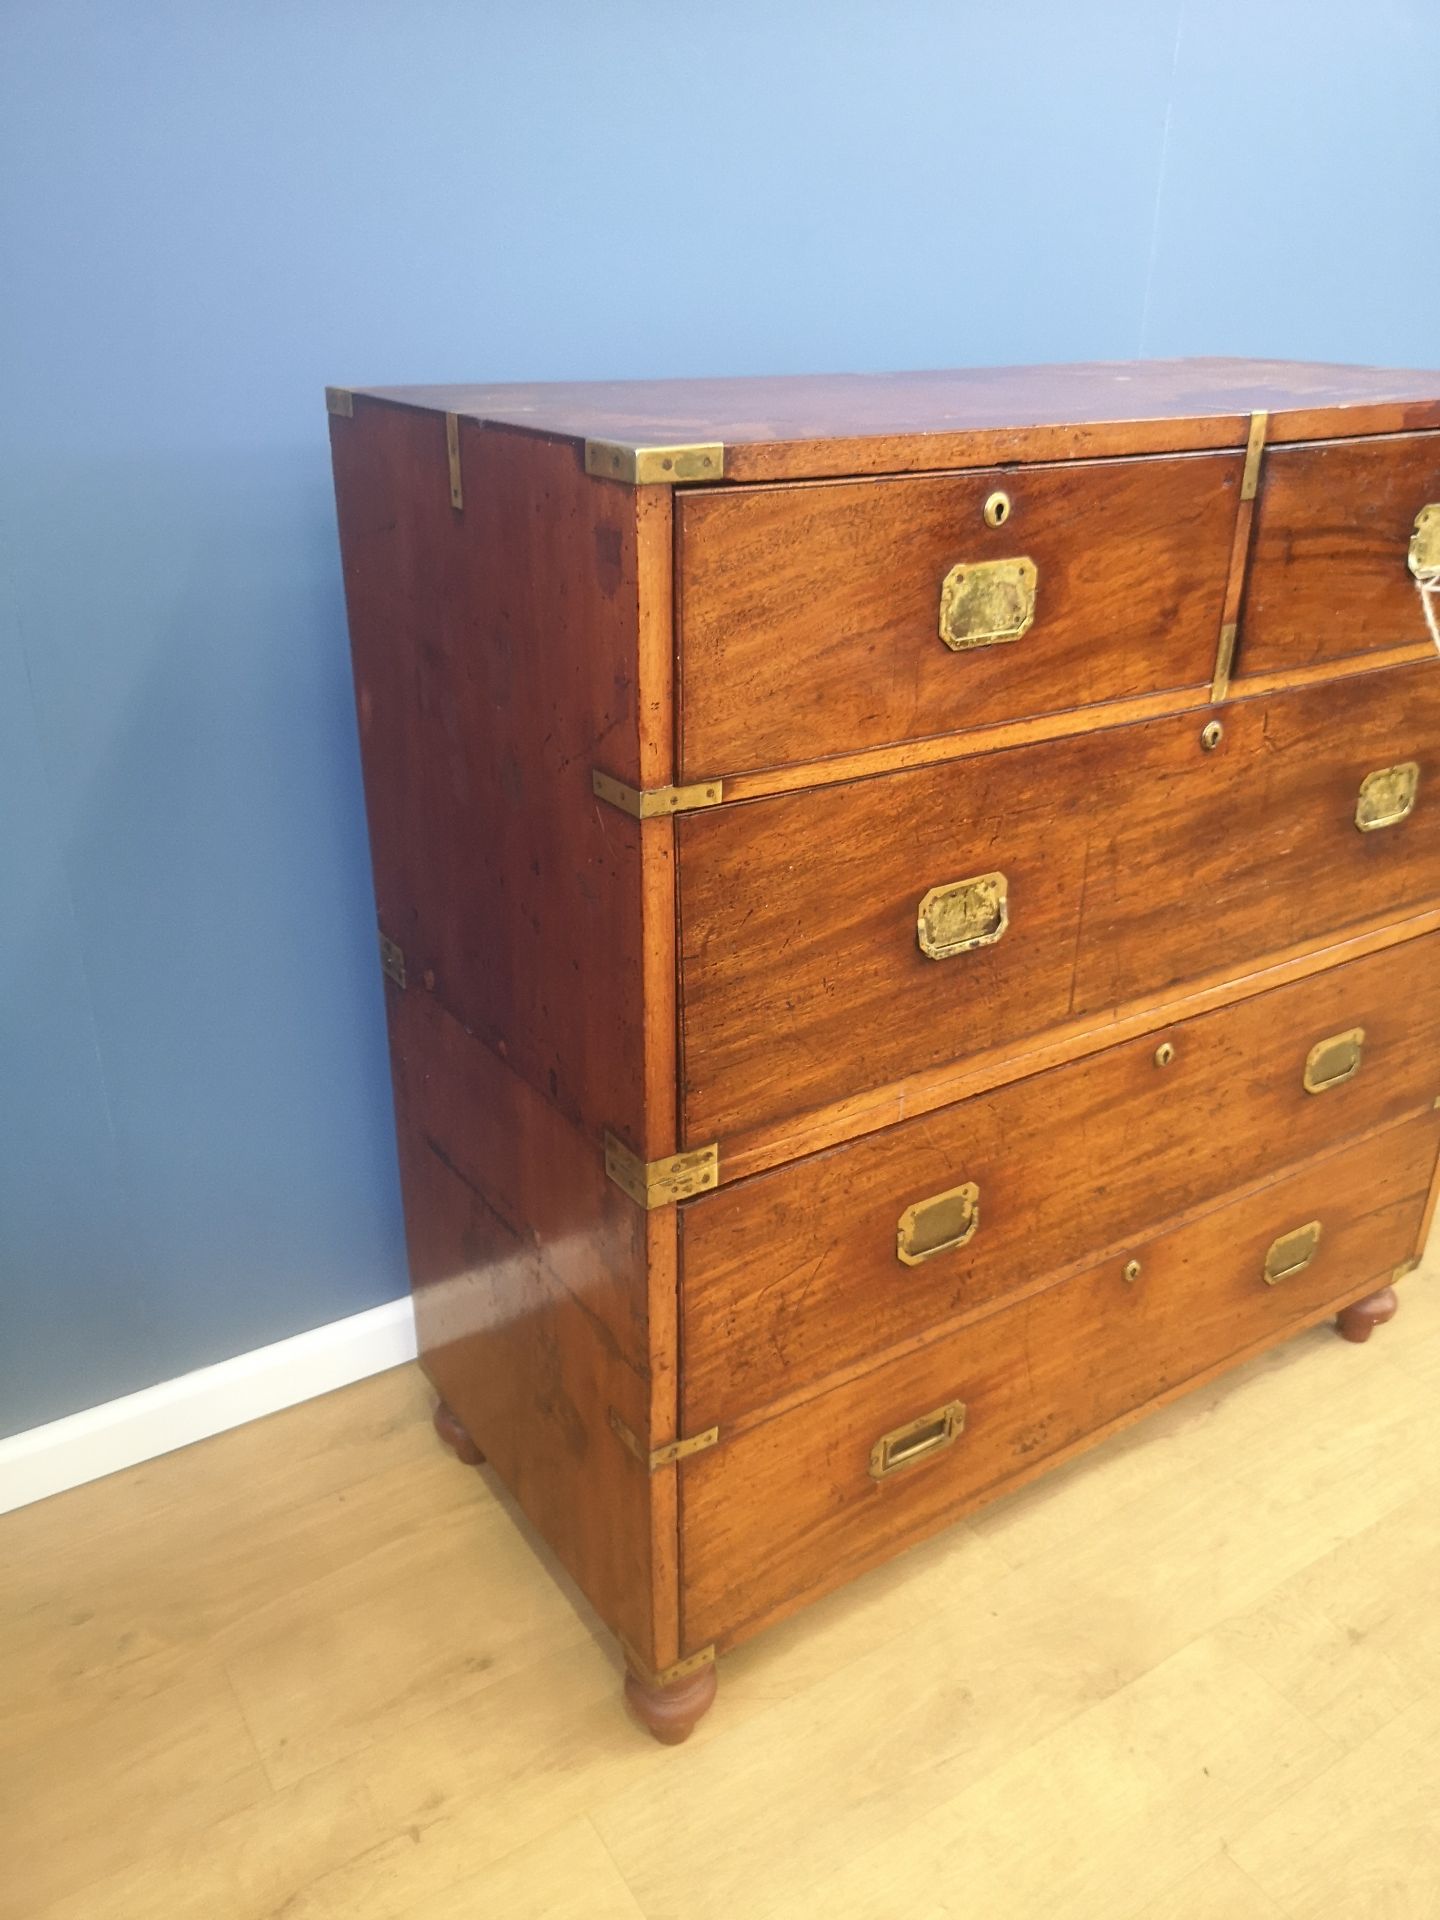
x=810 y=614
x=1328 y=576
x=1136 y=860
x=792 y=1277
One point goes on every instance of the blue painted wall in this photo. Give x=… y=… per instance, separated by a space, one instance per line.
x=209 y=209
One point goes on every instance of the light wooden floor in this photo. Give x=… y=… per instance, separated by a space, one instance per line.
x=311 y=1668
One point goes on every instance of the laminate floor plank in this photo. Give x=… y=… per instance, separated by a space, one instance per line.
x=313 y=1669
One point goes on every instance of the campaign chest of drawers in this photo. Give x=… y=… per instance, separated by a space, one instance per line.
x=911 y=916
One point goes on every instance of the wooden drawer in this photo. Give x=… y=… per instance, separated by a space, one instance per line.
x=1329 y=574
x=1135 y=861
x=797 y=1274
x=810 y=615
x=782 y=1511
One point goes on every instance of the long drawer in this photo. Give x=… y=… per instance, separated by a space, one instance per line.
x=822 y=1264
x=842 y=940
x=794 y=1505
x=821 y=618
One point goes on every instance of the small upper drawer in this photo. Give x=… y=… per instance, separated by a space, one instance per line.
x=816 y=1266
x=1330 y=574
x=828 y=617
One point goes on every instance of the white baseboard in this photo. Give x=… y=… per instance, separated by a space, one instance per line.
x=85 y=1446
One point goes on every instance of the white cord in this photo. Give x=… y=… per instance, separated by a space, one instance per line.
x=1428 y=583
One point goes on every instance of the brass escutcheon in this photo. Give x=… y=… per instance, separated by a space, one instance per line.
x=997 y=509
x=1211 y=734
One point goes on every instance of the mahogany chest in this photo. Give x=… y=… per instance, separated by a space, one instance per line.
x=911 y=914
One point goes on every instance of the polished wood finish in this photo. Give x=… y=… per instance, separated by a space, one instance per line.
x=1328 y=577
x=793 y=1277
x=789 y=1509
x=1359 y=1320
x=681 y=1399
x=798 y=427
x=1136 y=862
x=810 y=614
x=671 y=1711
x=455 y=1436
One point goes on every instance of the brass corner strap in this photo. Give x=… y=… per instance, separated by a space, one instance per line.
x=656 y=1183
x=452 y=450
x=657 y=1457
x=1239 y=555
x=636 y=466
x=1406 y=1266
x=392 y=960
x=665 y=1676
x=649 y=803
x=341 y=402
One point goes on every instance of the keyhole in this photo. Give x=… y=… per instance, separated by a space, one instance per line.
x=997 y=509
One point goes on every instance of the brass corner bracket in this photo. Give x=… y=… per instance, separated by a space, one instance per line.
x=1406 y=1266
x=665 y=1676
x=656 y=1183
x=654 y=466
x=649 y=803
x=665 y=1456
x=340 y=401
x=392 y=960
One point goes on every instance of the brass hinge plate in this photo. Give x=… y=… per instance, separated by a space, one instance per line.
x=649 y=803
x=692 y=1663
x=340 y=401
x=654 y=466
x=392 y=961
x=664 y=1456
x=656 y=1183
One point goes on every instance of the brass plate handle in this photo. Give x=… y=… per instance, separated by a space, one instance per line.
x=1387 y=796
x=1333 y=1061
x=917 y=1440
x=962 y=915
x=986 y=602
x=1292 y=1252
x=1425 y=542
x=938 y=1225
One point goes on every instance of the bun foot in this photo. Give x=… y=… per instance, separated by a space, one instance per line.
x=671 y=1712
x=454 y=1435
x=1358 y=1322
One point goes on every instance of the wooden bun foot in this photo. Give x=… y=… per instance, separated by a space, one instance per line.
x=1358 y=1322
x=454 y=1435
x=671 y=1713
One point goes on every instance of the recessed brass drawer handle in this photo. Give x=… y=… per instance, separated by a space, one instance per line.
x=986 y=602
x=1425 y=542
x=944 y=1221
x=1331 y=1062
x=1387 y=795
x=1291 y=1252
x=962 y=915
x=917 y=1440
